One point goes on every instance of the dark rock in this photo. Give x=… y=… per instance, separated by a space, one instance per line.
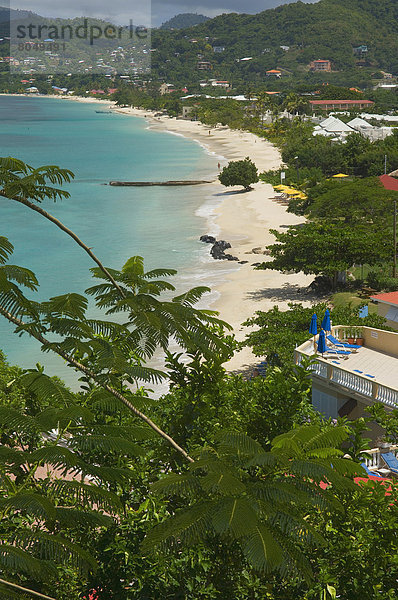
x=217 y=250
x=243 y=262
x=230 y=257
x=208 y=239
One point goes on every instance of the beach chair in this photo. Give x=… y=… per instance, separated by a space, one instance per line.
x=391 y=461
x=368 y=472
x=339 y=352
x=339 y=344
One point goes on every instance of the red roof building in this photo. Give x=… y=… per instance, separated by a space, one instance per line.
x=340 y=104
x=387 y=307
x=321 y=65
x=390 y=183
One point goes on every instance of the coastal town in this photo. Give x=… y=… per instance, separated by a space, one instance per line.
x=199 y=304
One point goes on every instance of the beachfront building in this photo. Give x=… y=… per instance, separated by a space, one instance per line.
x=329 y=105
x=319 y=65
x=345 y=384
x=387 y=307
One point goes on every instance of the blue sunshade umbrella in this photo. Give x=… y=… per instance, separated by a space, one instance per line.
x=326 y=321
x=322 y=342
x=314 y=327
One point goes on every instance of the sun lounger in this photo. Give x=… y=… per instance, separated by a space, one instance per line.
x=339 y=344
x=334 y=351
x=391 y=461
x=358 y=371
x=367 y=375
x=368 y=472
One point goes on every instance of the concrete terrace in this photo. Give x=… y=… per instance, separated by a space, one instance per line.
x=369 y=373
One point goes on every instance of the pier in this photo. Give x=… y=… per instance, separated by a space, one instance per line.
x=164 y=183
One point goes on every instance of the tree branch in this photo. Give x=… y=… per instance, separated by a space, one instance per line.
x=80 y=367
x=26 y=590
x=69 y=232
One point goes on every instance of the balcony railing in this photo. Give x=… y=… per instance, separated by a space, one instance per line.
x=351 y=381
x=375 y=461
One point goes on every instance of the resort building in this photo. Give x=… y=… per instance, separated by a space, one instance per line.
x=387 y=307
x=346 y=380
x=328 y=105
x=321 y=65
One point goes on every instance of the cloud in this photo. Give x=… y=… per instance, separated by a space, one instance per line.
x=121 y=11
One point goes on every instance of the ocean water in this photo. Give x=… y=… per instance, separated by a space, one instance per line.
x=161 y=224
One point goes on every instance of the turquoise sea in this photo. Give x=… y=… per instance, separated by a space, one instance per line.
x=159 y=224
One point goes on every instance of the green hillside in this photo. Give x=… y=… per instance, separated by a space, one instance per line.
x=329 y=29
x=184 y=20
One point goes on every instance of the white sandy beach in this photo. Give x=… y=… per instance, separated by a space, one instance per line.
x=243 y=219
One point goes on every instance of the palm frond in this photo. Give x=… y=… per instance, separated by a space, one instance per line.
x=70 y=517
x=13 y=420
x=235 y=516
x=29 y=503
x=189 y=525
x=85 y=494
x=6 y=249
x=262 y=550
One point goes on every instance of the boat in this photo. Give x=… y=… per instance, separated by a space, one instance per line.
x=104 y=112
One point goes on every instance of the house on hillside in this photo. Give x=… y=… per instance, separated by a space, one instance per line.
x=360 y=50
x=204 y=65
x=321 y=65
x=166 y=88
x=274 y=73
x=220 y=84
x=218 y=49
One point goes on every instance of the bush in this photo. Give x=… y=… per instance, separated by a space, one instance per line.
x=379 y=281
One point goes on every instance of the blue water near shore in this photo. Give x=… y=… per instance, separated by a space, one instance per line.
x=157 y=223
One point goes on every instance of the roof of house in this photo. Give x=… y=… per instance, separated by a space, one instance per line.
x=388 y=298
x=358 y=122
x=320 y=102
x=335 y=125
x=273 y=71
x=390 y=183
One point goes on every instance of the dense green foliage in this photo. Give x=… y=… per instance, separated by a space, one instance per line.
x=184 y=20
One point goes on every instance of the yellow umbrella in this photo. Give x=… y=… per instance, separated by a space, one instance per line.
x=281 y=187
x=340 y=175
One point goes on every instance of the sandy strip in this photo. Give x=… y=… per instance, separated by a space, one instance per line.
x=243 y=219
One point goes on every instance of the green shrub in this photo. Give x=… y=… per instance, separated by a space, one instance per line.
x=380 y=281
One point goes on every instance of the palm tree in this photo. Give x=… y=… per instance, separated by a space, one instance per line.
x=294 y=103
x=263 y=103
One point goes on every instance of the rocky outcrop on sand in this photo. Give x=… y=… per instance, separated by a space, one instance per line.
x=218 y=248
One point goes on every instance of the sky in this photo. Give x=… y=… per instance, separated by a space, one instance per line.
x=141 y=11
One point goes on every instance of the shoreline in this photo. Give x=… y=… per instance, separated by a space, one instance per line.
x=241 y=218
